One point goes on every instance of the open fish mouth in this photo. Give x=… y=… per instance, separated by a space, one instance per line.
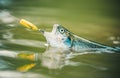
x=54 y=38
x=55 y=28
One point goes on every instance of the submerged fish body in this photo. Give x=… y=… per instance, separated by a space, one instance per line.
x=62 y=38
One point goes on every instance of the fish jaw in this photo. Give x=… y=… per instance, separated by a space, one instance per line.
x=53 y=39
x=55 y=28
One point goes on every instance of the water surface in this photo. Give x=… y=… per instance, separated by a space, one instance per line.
x=24 y=55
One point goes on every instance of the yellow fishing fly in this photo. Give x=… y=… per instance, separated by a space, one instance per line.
x=26 y=67
x=28 y=24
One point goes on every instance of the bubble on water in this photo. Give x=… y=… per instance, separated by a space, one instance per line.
x=112 y=38
x=116 y=42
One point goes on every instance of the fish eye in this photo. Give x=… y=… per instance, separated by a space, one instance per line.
x=62 y=31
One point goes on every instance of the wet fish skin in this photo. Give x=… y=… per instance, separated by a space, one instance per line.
x=62 y=36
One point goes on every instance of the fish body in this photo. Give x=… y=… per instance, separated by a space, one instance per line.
x=62 y=38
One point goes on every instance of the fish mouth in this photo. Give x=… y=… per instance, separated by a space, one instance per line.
x=55 y=28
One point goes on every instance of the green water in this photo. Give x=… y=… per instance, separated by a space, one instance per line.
x=22 y=51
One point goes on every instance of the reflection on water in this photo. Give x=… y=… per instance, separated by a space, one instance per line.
x=52 y=59
x=56 y=58
x=26 y=67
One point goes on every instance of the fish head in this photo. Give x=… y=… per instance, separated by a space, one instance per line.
x=59 y=37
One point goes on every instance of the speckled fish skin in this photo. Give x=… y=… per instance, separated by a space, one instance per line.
x=76 y=43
